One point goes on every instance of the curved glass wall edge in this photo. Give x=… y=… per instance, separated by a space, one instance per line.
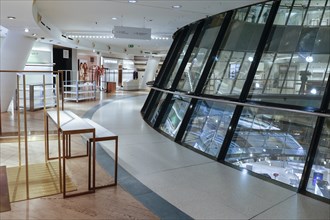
x=259 y=98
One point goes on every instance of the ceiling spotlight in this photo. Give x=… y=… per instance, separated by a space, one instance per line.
x=11 y=17
x=26 y=30
x=34 y=34
x=176 y=6
x=114 y=18
x=132 y=1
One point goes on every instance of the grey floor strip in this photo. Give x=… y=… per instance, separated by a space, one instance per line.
x=152 y=201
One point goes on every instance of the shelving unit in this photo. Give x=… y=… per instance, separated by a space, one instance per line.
x=35 y=96
x=79 y=90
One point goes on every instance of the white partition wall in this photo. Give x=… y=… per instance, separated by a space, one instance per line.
x=149 y=74
x=15 y=51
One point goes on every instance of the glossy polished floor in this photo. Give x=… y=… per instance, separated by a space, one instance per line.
x=171 y=181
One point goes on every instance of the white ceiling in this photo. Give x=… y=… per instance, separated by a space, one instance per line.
x=94 y=17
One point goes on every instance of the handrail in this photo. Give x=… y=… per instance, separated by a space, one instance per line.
x=242 y=104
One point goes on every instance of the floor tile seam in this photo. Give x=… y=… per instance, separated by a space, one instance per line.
x=273 y=206
x=175 y=169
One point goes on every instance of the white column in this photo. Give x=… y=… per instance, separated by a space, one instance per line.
x=150 y=71
x=15 y=51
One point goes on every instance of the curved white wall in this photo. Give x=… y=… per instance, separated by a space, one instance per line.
x=15 y=50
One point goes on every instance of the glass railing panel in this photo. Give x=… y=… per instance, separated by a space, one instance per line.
x=319 y=179
x=208 y=126
x=156 y=107
x=272 y=143
x=174 y=115
x=326 y=16
x=200 y=54
x=174 y=70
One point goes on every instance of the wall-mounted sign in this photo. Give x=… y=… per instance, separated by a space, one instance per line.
x=66 y=54
x=132 y=33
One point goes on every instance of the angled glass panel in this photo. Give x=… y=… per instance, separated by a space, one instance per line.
x=219 y=81
x=326 y=16
x=322 y=41
x=283 y=12
x=298 y=12
x=174 y=69
x=173 y=117
x=314 y=13
x=156 y=108
x=317 y=75
x=307 y=40
x=208 y=126
x=272 y=143
x=319 y=179
x=200 y=54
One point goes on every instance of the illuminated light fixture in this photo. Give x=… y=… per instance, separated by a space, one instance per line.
x=114 y=18
x=132 y=1
x=176 y=6
x=309 y=59
x=26 y=30
x=313 y=91
x=34 y=35
x=11 y=17
x=257 y=85
x=250 y=59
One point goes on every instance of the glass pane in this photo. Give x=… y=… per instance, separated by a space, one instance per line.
x=175 y=67
x=319 y=180
x=274 y=38
x=157 y=106
x=219 y=82
x=254 y=12
x=307 y=39
x=326 y=16
x=289 y=39
x=322 y=41
x=241 y=13
x=272 y=143
x=297 y=15
x=264 y=14
x=282 y=15
x=314 y=13
x=317 y=70
x=201 y=51
x=208 y=126
x=175 y=112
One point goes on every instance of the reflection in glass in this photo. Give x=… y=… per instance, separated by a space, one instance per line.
x=199 y=55
x=173 y=117
x=272 y=143
x=207 y=127
x=319 y=180
x=157 y=106
x=175 y=67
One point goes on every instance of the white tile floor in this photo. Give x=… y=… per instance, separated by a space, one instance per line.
x=200 y=187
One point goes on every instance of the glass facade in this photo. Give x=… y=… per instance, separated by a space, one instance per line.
x=250 y=87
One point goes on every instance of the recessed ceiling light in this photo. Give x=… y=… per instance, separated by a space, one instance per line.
x=26 y=30
x=114 y=18
x=11 y=17
x=176 y=6
x=34 y=34
x=132 y=1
